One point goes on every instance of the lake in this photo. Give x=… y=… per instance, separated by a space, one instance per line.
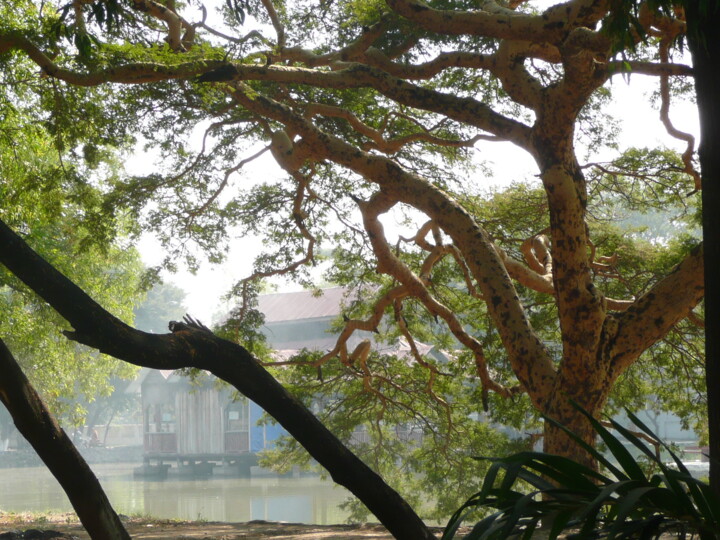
x=300 y=500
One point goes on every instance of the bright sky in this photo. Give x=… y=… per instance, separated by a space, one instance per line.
x=207 y=286
x=640 y=123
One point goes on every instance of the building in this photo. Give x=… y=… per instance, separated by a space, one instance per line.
x=197 y=425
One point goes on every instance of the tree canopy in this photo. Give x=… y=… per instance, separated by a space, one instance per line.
x=164 y=303
x=51 y=197
x=542 y=294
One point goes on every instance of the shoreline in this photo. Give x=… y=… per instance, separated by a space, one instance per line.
x=145 y=528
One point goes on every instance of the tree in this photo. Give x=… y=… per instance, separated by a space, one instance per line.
x=705 y=48
x=440 y=462
x=370 y=109
x=164 y=302
x=54 y=447
x=69 y=376
x=190 y=345
x=52 y=198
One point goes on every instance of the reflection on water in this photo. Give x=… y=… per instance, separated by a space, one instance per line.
x=302 y=500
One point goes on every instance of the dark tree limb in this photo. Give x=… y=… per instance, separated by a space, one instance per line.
x=187 y=346
x=704 y=44
x=54 y=447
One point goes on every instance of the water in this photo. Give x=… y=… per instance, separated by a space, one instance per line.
x=300 y=500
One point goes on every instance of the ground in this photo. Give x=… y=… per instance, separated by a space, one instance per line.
x=24 y=525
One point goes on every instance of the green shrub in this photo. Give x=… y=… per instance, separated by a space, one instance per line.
x=575 y=500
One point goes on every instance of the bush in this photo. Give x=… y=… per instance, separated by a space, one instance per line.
x=573 y=499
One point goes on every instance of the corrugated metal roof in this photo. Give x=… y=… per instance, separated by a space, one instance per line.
x=293 y=306
x=134 y=386
x=400 y=348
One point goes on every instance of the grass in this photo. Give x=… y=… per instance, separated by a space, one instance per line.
x=40 y=518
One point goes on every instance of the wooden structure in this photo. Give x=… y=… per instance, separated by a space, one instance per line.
x=199 y=424
x=183 y=418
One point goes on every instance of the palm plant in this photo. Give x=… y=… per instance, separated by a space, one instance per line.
x=572 y=499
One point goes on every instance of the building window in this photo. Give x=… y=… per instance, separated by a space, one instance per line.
x=237 y=416
x=160 y=418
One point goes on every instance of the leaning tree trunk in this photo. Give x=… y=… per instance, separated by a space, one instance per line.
x=704 y=44
x=54 y=447
x=189 y=346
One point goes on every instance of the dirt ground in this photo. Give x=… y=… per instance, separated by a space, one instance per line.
x=29 y=527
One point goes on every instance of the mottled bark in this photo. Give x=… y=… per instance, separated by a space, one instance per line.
x=528 y=355
x=187 y=346
x=592 y=355
x=652 y=315
x=622 y=339
x=57 y=451
x=558 y=442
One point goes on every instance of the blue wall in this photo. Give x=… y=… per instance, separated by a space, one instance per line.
x=263 y=436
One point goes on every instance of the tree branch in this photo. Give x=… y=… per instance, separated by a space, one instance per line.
x=632 y=67
x=369 y=325
x=190 y=347
x=687 y=138
x=348 y=53
x=387 y=146
x=174 y=22
x=57 y=451
x=388 y=263
x=528 y=356
x=464 y=109
x=495 y=21
x=653 y=314
x=277 y=25
x=135 y=73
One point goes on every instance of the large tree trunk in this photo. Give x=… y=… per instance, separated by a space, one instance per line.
x=587 y=389
x=581 y=307
x=562 y=408
x=559 y=443
x=189 y=346
x=54 y=447
x=704 y=44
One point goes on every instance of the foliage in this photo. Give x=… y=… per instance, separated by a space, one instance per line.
x=511 y=213
x=66 y=374
x=411 y=435
x=53 y=198
x=548 y=287
x=163 y=303
x=622 y=502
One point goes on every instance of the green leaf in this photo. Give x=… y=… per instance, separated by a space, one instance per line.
x=618 y=473
x=618 y=450
x=625 y=506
